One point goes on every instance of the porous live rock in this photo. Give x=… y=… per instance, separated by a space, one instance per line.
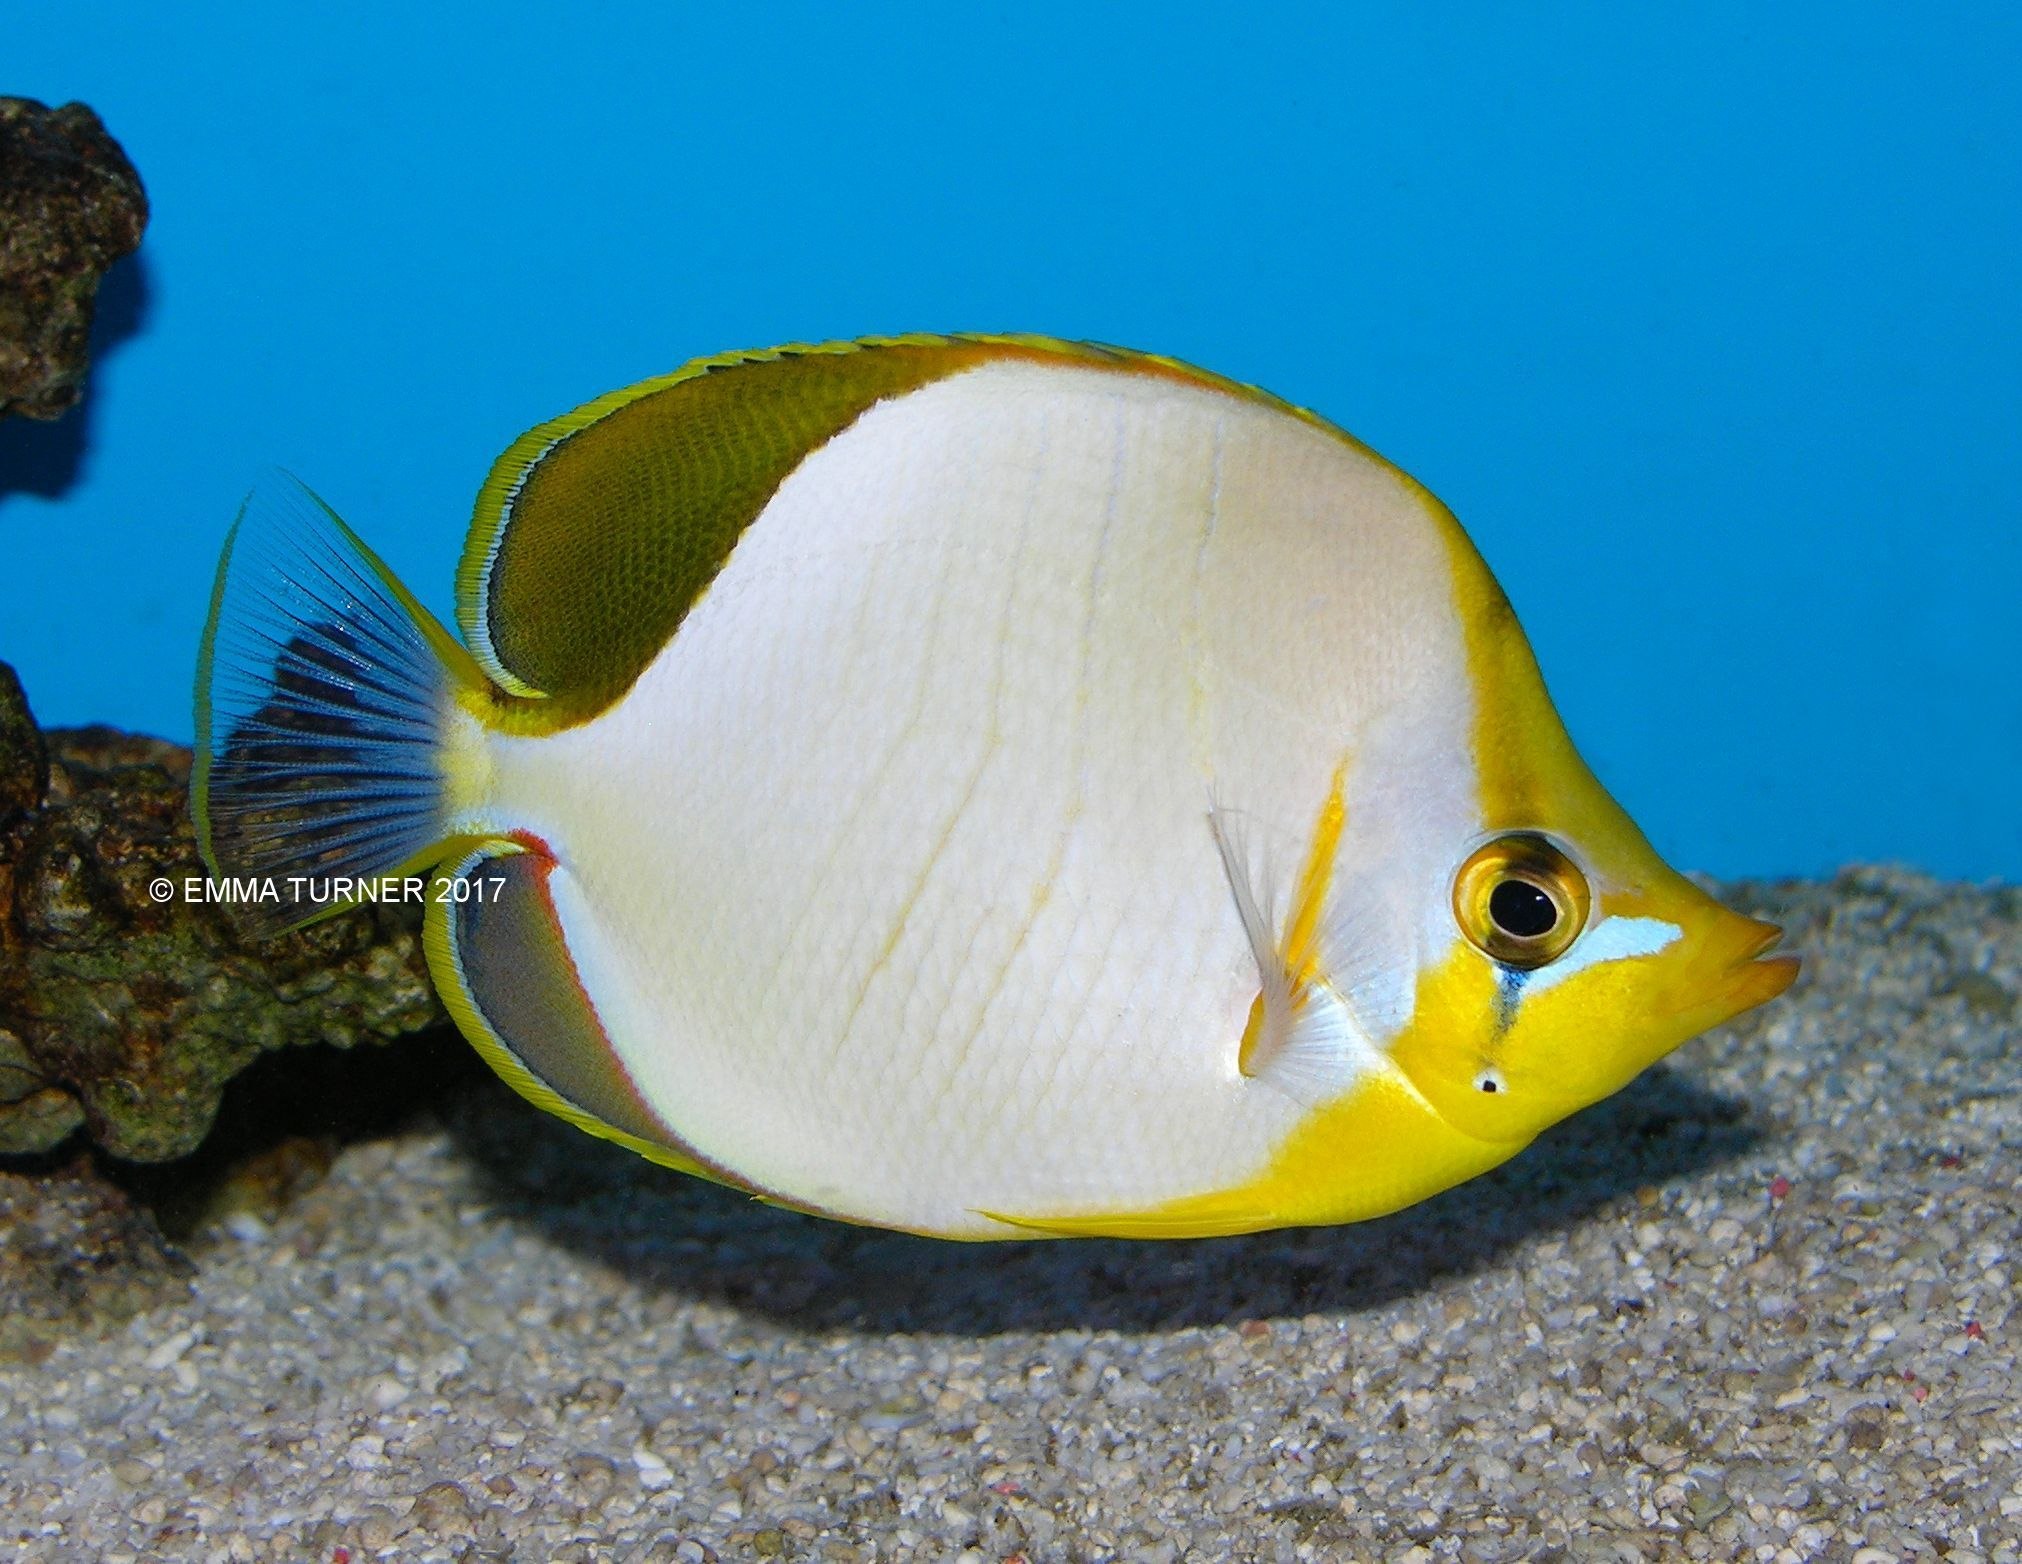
x=70 y=205
x=126 y=1005
x=1760 y=1305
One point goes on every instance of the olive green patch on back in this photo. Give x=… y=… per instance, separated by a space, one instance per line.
x=611 y=521
x=597 y=531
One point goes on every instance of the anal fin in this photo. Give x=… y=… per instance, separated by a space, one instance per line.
x=501 y=960
x=1207 y=1216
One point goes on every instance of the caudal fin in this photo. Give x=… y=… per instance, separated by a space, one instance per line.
x=322 y=693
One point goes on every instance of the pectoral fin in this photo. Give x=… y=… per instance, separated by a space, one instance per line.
x=1303 y=1038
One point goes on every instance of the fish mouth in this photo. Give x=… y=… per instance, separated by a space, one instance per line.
x=1764 y=937
x=1761 y=971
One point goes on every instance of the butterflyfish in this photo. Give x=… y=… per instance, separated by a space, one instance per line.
x=988 y=787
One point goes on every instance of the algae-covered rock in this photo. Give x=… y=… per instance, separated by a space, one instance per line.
x=126 y=1005
x=70 y=205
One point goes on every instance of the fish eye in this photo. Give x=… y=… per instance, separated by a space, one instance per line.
x=1522 y=910
x=1520 y=901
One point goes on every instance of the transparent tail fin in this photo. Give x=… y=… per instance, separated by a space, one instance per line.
x=322 y=694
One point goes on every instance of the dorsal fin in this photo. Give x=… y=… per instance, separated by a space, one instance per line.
x=596 y=532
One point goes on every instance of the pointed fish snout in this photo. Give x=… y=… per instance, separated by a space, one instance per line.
x=1760 y=975
x=1765 y=936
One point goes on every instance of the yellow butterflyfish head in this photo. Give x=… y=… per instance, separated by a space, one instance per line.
x=1579 y=956
x=1582 y=959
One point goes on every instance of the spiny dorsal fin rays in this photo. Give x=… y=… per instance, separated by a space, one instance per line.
x=1303 y=1037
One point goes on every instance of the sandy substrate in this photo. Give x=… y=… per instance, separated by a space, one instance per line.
x=1761 y=1305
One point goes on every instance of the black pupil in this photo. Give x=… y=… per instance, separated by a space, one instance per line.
x=1521 y=909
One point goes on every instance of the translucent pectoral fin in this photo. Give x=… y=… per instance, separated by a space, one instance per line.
x=1303 y=1039
x=325 y=696
x=501 y=960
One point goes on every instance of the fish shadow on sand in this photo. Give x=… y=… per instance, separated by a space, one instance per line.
x=46 y=459
x=679 y=1236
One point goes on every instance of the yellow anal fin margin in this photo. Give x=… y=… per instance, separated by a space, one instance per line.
x=1209 y=1216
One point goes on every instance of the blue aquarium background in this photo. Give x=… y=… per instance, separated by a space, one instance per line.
x=1705 y=322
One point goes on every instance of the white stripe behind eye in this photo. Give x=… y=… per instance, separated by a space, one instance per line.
x=1612 y=939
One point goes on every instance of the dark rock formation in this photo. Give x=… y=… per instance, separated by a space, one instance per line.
x=70 y=205
x=125 y=1005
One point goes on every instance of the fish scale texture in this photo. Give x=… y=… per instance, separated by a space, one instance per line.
x=919 y=797
x=1759 y=1305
